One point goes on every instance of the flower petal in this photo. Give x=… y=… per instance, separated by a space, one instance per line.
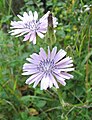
x=67 y=74
x=61 y=53
x=35 y=15
x=20 y=17
x=21 y=34
x=49 y=53
x=30 y=15
x=66 y=60
x=18 y=31
x=40 y=34
x=67 y=69
x=33 y=38
x=33 y=61
x=42 y=54
x=45 y=16
x=41 y=29
x=46 y=82
x=29 y=65
x=64 y=66
x=37 y=81
x=53 y=80
x=33 y=78
x=30 y=71
x=60 y=79
x=35 y=56
x=53 y=53
x=25 y=17
x=26 y=37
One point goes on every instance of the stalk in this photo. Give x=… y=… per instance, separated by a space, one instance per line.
x=10 y=4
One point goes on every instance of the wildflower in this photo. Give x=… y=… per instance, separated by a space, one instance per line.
x=48 y=68
x=87 y=7
x=30 y=26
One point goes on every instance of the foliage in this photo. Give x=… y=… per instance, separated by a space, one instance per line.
x=74 y=34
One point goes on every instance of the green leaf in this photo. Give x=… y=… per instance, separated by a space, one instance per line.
x=41 y=103
x=34 y=118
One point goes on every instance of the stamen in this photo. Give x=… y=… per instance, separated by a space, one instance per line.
x=46 y=66
x=32 y=25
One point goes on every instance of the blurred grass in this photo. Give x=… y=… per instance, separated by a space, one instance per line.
x=74 y=34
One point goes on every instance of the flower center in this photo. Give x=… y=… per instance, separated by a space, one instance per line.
x=31 y=25
x=46 y=66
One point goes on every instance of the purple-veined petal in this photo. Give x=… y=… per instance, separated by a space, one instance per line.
x=60 y=74
x=42 y=54
x=18 y=31
x=20 y=17
x=64 y=66
x=33 y=61
x=29 y=66
x=42 y=30
x=55 y=23
x=61 y=53
x=30 y=71
x=37 y=81
x=21 y=34
x=53 y=80
x=49 y=54
x=67 y=69
x=33 y=38
x=36 y=57
x=26 y=37
x=30 y=15
x=46 y=82
x=61 y=82
x=33 y=78
x=35 y=15
x=43 y=25
x=25 y=17
x=65 y=61
x=53 y=53
x=40 y=34
x=60 y=79
x=67 y=74
x=45 y=16
x=16 y=25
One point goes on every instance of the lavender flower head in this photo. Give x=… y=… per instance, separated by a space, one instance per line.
x=30 y=26
x=48 y=69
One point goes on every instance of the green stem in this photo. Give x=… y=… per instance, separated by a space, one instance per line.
x=10 y=4
x=87 y=70
x=60 y=97
x=63 y=116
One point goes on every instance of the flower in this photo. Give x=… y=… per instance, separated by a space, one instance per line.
x=29 y=26
x=48 y=69
x=87 y=7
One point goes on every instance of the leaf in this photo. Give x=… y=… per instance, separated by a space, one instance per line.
x=26 y=99
x=5 y=18
x=34 y=118
x=41 y=103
